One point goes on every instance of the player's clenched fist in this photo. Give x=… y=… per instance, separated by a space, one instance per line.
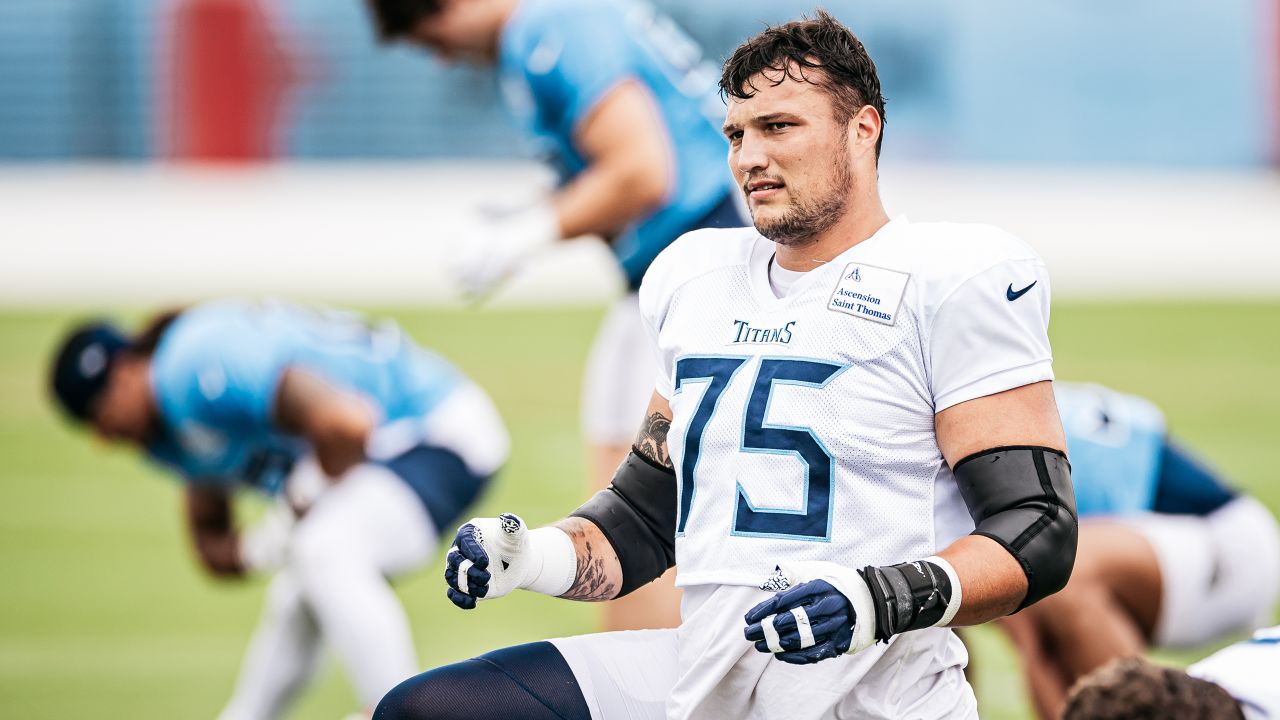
x=842 y=610
x=805 y=624
x=491 y=557
x=468 y=568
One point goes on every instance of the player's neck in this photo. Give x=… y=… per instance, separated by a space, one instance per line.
x=503 y=10
x=863 y=219
x=496 y=15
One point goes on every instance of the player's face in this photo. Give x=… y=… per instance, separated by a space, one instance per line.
x=465 y=30
x=790 y=156
x=124 y=411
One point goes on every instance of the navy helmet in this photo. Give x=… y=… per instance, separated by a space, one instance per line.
x=83 y=364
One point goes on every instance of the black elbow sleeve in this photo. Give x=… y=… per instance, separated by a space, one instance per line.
x=637 y=514
x=1022 y=498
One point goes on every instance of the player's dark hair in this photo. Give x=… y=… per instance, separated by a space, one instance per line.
x=817 y=50
x=396 y=18
x=145 y=342
x=1134 y=689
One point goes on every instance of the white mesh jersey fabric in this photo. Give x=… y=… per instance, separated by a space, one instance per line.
x=1247 y=670
x=835 y=458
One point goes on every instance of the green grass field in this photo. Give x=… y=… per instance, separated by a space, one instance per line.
x=103 y=613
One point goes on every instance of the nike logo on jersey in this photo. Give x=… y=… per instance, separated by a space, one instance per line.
x=1015 y=294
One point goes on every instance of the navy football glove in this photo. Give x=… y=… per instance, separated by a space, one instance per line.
x=806 y=624
x=491 y=557
x=466 y=568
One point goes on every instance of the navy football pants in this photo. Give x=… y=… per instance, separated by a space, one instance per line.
x=531 y=682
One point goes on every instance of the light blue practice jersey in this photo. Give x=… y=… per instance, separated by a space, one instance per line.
x=217 y=368
x=1115 y=442
x=559 y=58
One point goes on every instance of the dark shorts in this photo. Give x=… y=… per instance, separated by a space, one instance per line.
x=441 y=480
x=1186 y=486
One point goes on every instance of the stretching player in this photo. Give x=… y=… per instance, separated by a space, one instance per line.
x=839 y=396
x=369 y=443
x=1169 y=556
x=1236 y=682
x=622 y=105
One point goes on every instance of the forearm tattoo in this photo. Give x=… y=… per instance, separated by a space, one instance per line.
x=595 y=559
x=652 y=440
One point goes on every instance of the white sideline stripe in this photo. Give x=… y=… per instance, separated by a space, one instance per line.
x=771 y=634
x=157 y=233
x=463 y=567
x=803 y=627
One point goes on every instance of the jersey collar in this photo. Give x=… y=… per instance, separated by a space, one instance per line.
x=763 y=249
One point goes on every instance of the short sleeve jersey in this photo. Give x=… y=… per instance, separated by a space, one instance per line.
x=1247 y=670
x=216 y=370
x=803 y=427
x=1115 y=442
x=559 y=58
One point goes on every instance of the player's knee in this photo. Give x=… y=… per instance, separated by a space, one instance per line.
x=532 y=682
x=451 y=692
x=418 y=698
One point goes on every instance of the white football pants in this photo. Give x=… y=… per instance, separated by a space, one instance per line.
x=619 y=377
x=364 y=529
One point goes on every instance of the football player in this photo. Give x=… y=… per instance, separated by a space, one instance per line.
x=1237 y=682
x=369 y=443
x=1160 y=562
x=852 y=446
x=620 y=102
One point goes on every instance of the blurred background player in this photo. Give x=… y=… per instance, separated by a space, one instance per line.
x=618 y=99
x=1170 y=556
x=1132 y=688
x=1238 y=681
x=368 y=443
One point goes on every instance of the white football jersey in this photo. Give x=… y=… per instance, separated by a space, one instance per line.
x=1247 y=670
x=803 y=427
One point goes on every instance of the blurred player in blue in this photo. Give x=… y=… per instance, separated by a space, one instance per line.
x=620 y=102
x=368 y=443
x=1170 y=555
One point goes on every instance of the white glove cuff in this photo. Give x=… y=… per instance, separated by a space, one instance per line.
x=850 y=584
x=553 y=562
x=953 y=606
x=864 y=608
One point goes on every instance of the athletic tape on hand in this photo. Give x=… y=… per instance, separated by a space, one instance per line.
x=771 y=634
x=803 y=627
x=556 y=561
x=851 y=585
x=463 y=567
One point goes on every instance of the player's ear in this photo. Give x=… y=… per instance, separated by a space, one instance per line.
x=864 y=130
